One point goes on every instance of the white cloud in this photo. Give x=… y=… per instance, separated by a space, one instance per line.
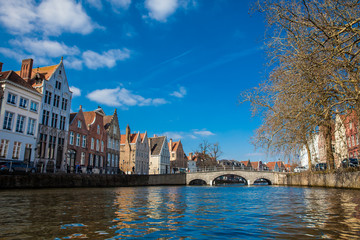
x=94 y=60
x=160 y=10
x=73 y=63
x=203 y=133
x=45 y=48
x=173 y=135
x=179 y=94
x=76 y=91
x=50 y=17
x=121 y=97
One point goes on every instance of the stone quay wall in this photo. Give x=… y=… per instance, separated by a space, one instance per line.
x=84 y=180
x=320 y=179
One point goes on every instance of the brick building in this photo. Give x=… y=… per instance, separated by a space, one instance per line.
x=112 y=128
x=96 y=141
x=77 y=148
x=178 y=158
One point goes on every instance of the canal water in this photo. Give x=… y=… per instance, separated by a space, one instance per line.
x=184 y=212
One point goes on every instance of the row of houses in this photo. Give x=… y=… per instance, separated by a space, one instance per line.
x=345 y=141
x=277 y=166
x=36 y=127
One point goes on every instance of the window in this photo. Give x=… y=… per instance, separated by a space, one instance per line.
x=64 y=104
x=47 y=97
x=97 y=144
x=31 y=126
x=54 y=120
x=4 y=145
x=62 y=122
x=71 y=141
x=20 y=124
x=352 y=140
x=98 y=129
x=350 y=125
x=8 y=120
x=90 y=159
x=82 y=160
x=34 y=106
x=16 y=150
x=56 y=100
x=113 y=144
x=45 y=118
x=357 y=139
x=102 y=146
x=84 y=141
x=109 y=142
x=79 y=124
x=108 y=159
x=58 y=85
x=92 y=143
x=52 y=143
x=23 y=102
x=11 y=98
x=114 y=130
x=77 y=139
x=42 y=145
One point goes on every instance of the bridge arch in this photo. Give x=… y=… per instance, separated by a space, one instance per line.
x=215 y=178
x=197 y=182
x=261 y=180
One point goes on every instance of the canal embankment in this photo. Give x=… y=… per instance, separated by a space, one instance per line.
x=13 y=181
x=336 y=179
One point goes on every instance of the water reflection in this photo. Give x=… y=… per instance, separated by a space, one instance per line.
x=181 y=212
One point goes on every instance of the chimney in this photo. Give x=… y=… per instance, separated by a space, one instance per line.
x=191 y=155
x=1 y=64
x=170 y=144
x=155 y=135
x=26 y=68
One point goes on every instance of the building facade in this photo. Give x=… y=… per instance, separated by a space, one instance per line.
x=77 y=148
x=51 y=82
x=19 y=117
x=112 y=129
x=96 y=141
x=178 y=160
x=159 y=156
x=134 y=153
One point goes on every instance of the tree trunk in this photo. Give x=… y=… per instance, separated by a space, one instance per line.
x=309 y=156
x=328 y=143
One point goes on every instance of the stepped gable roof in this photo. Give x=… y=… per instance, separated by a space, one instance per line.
x=255 y=164
x=72 y=116
x=246 y=162
x=15 y=78
x=43 y=72
x=156 y=144
x=132 y=138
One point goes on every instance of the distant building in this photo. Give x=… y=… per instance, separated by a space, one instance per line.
x=159 y=156
x=134 y=153
x=19 y=117
x=230 y=164
x=177 y=156
x=247 y=164
x=191 y=166
x=258 y=166
x=112 y=129
x=277 y=166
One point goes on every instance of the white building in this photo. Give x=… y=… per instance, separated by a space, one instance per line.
x=19 y=118
x=314 y=150
x=52 y=138
x=159 y=156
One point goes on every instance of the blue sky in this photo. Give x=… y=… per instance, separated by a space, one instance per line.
x=173 y=67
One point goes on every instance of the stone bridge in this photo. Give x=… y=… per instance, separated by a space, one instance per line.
x=249 y=176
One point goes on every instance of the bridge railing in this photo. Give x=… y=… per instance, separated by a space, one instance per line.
x=228 y=168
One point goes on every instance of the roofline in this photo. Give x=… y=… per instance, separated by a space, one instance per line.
x=22 y=87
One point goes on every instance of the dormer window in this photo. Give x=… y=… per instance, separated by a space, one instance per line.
x=79 y=124
x=59 y=72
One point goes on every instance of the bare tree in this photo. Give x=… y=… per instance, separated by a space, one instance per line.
x=314 y=48
x=207 y=154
